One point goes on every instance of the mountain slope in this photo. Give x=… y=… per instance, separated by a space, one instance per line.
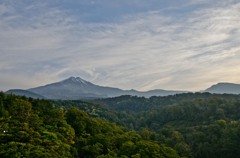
x=24 y=93
x=221 y=88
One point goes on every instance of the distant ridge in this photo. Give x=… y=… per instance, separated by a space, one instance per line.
x=75 y=88
x=224 y=87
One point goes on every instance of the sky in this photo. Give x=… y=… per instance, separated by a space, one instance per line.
x=129 y=44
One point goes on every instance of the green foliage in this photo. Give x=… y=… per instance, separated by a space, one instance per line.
x=41 y=128
x=195 y=125
x=184 y=125
x=24 y=131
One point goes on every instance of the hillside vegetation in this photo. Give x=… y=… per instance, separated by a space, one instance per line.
x=42 y=129
x=200 y=125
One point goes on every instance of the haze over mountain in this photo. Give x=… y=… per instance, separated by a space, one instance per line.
x=76 y=88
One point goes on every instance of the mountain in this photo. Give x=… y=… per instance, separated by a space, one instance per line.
x=75 y=88
x=221 y=88
x=24 y=93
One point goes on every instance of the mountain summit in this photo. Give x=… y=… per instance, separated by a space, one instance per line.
x=74 y=88
x=76 y=80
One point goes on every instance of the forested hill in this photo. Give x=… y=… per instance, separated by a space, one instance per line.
x=200 y=125
x=42 y=129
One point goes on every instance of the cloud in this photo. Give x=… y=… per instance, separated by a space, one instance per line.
x=144 y=50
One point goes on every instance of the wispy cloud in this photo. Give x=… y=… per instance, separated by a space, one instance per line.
x=149 y=49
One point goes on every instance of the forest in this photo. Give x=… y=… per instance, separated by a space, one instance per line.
x=191 y=125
